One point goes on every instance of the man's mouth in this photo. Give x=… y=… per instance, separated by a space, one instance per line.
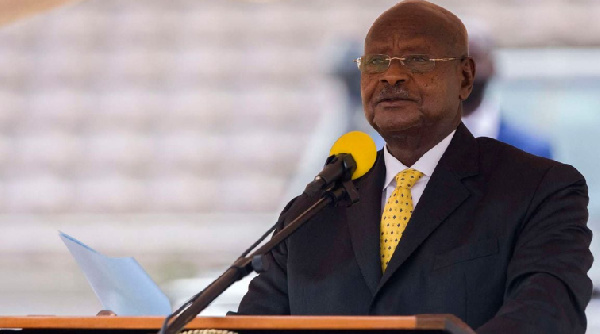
x=393 y=96
x=393 y=101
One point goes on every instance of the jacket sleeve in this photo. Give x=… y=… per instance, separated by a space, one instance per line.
x=547 y=287
x=268 y=292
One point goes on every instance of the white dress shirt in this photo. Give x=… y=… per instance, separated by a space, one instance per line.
x=426 y=165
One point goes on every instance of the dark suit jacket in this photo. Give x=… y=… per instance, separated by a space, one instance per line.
x=499 y=239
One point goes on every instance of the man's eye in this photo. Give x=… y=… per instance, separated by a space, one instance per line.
x=377 y=61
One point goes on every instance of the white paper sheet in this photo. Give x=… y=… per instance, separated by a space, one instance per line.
x=120 y=283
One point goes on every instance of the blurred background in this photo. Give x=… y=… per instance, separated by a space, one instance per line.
x=175 y=131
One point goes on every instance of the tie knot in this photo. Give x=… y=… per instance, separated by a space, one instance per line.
x=407 y=178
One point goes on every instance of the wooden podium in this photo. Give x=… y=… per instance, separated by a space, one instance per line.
x=420 y=324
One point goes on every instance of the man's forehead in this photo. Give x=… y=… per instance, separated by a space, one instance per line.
x=418 y=20
x=396 y=45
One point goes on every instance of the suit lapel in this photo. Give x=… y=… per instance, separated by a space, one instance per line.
x=363 y=222
x=444 y=193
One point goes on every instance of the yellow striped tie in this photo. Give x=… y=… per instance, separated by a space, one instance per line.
x=396 y=214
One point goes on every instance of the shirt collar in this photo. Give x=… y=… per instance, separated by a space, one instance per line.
x=426 y=164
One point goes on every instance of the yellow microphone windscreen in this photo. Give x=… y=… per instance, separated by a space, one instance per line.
x=362 y=148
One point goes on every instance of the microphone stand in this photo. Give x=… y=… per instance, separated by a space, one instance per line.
x=244 y=265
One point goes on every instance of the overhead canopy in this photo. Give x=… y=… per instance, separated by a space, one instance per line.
x=13 y=10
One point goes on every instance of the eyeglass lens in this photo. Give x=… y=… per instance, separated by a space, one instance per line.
x=380 y=63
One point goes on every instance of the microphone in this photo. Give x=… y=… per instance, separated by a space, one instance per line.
x=350 y=157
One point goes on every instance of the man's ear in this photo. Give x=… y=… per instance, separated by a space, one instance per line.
x=467 y=77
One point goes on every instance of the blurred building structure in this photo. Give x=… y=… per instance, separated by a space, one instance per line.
x=174 y=131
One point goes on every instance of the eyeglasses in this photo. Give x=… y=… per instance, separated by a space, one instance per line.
x=415 y=63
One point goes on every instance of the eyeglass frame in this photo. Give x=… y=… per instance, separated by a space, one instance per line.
x=358 y=61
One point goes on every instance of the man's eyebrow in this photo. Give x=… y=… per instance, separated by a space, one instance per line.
x=383 y=49
x=412 y=46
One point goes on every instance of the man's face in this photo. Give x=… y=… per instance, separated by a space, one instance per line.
x=398 y=102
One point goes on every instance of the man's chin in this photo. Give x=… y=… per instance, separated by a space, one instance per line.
x=396 y=118
x=397 y=127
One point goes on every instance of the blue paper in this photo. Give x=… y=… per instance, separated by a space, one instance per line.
x=120 y=284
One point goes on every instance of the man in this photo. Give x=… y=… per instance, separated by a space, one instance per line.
x=481 y=115
x=497 y=236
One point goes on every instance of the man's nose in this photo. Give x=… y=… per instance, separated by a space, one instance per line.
x=395 y=73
